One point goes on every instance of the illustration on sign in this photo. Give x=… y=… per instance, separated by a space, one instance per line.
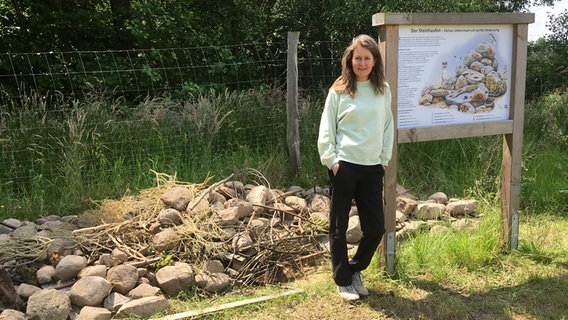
x=453 y=74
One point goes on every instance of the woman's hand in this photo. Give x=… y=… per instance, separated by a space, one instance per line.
x=334 y=168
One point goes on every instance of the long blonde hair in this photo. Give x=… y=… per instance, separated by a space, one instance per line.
x=347 y=82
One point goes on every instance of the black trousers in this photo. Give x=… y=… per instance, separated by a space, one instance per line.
x=364 y=184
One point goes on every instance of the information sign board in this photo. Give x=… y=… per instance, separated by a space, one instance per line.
x=453 y=74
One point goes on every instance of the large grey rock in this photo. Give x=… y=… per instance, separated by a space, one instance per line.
x=44 y=219
x=170 y=217
x=143 y=290
x=215 y=266
x=410 y=228
x=4 y=238
x=474 y=95
x=311 y=192
x=58 y=225
x=177 y=198
x=461 y=207
x=114 y=301
x=201 y=206
x=295 y=189
x=123 y=278
x=238 y=186
x=244 y=208
x=354 y=233
x=319 y=216
x=165 y=240
x=439 y=229
x=119 y=255
x=12 y=223
x=429 y=211
x=258 y=195
x=11 y=314
x=228 y=216
x=274 y=195
x=69 y=267
x=108 y=260
x=45 y=274
x=214 y=282
x=400 y=217
x=216 y=197
x=99 y=270
x=175 y=279
x=49 y=304
x=5 y=230
x=406 y=205
x=320 y=203
x=227 y=192
x=25 y=231
x=298 y=204
x=439 y=197
x=94 y=313
x=242 y=241
x=89 y=291
x=27 y=290
x=143 y=307
x=282 y=210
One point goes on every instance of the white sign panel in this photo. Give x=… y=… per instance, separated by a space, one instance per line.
x=452 y=74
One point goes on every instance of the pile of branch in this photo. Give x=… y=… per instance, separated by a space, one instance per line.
x=280 y=251
x=281 y=260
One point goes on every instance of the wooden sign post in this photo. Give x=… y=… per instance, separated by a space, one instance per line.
x=456 y=75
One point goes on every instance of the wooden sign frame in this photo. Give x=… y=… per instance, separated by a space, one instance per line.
x=512 y=129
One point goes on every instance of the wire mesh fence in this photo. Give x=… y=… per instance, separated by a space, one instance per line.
x=78 y=116
x=181 y=72
x=94 y=115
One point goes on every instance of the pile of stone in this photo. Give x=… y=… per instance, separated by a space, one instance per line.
x=60 y=268
x=438 y=213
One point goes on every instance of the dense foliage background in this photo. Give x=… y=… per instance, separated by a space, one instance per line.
x=63 y=25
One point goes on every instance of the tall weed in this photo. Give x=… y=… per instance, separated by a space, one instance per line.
x=546 y=122
x=544 y=185
x=57 y=161
x=456 y=167
x=441 y=255
x=94 y=148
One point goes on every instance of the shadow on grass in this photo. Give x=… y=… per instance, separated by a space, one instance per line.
x=538 y=298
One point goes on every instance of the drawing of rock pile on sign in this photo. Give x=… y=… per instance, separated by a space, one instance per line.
x=474 y=86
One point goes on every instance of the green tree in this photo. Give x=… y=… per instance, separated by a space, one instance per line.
x=547 y=68
x=192 y=23
x=558 y=26
x=55 y=25
x=45 y=25
x=121 y=13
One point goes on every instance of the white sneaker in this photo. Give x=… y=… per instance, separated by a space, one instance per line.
x=348 y=293
x=357 y=284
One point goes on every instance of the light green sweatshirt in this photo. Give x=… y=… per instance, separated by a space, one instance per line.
x=359 y=130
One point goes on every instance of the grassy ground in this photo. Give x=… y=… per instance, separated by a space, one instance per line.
x=528 y=283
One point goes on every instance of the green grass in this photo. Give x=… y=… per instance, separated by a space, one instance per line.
x=545 y=182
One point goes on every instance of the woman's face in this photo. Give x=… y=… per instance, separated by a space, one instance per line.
x=363 y=63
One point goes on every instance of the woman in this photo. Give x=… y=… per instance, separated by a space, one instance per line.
x=355 y=142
